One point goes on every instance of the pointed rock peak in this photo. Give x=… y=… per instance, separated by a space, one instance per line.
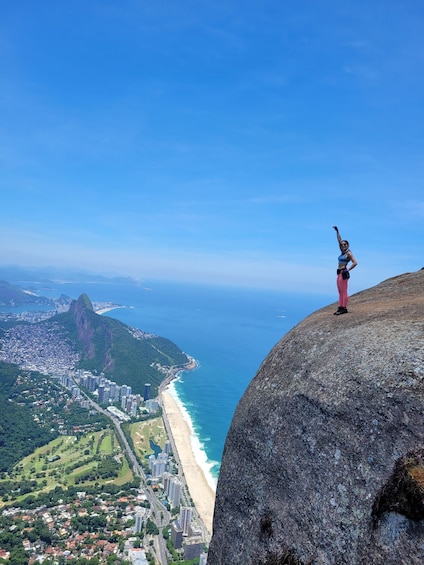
x=84 y=301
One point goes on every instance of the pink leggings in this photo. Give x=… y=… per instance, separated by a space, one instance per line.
x=342 y=288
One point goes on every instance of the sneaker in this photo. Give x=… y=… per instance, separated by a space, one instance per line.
x=338 y=311
x=341 y=310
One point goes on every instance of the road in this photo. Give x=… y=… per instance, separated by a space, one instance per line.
x=158 y=512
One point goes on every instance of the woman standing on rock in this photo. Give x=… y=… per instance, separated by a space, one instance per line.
x=343 y=274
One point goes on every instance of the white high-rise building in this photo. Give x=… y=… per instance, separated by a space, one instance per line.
x=166 y=480
x=125 y=390
x=139 y=520
x=152 y=405
x=158 y=465
x=174 y=492
x=186 y=514
x=159 y=468
x=152 y=460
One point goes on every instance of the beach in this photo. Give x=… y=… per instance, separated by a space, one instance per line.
x=201 y=491
x=106 y=309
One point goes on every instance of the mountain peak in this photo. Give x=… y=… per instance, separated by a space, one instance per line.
x=84 y=302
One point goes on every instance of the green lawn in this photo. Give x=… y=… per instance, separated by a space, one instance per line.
x=66 y=459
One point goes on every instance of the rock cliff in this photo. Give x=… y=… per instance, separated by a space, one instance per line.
x=92 y=329
x=324 y=460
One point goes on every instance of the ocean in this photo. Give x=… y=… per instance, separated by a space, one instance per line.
x=229 y=331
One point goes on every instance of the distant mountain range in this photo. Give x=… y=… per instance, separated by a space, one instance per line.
x=16 y=274
x=12 y=295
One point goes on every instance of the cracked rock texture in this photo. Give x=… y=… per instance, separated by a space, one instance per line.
x=324 y=459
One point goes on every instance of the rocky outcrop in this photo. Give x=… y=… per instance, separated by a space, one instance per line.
x=94 y=334
x=324 y=460
x=124 y=354
x=79 y=310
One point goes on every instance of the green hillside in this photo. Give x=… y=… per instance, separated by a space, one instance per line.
x=108 y=346
x=19 y=435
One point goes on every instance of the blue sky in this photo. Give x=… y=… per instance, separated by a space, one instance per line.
x=213 y=141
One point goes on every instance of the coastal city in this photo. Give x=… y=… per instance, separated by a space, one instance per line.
x=162 y=508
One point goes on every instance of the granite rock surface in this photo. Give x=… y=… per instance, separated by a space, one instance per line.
x=324 y=459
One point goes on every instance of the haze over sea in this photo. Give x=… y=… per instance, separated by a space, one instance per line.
x=229 y=331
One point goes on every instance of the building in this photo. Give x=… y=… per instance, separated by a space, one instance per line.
x=114 y=392
x=152 y=460
x=193 y=548
x=195 y=530
x=174 y=492
x=125 y=390
x=176 y=535
x=152 y=405
x=106 y=395
x=137 y=556
x=203 y=559
x=166 y=481
x=186 y=514
x=147 y=387
x=159 y=467
x=101 y=393
x=140 y=515
x=92 y=383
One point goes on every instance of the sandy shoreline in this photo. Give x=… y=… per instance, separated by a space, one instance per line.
x=200 y=490
x=107 y=309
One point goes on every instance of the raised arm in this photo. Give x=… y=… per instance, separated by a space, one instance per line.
x=339 y=237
